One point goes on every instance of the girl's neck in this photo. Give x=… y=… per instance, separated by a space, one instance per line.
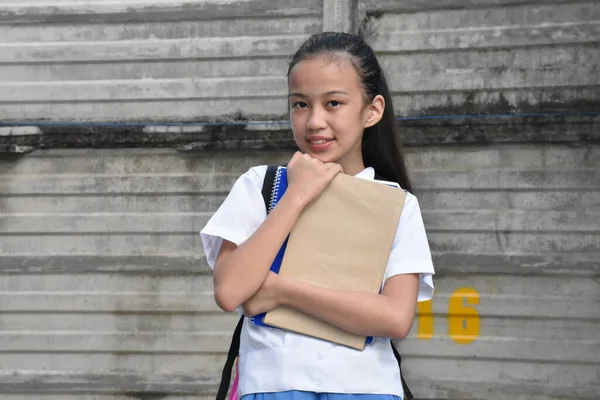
x=352 y=166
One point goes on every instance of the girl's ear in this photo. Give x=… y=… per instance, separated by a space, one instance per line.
x=375 y=111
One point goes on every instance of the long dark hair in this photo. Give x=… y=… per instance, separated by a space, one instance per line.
x=380 y=146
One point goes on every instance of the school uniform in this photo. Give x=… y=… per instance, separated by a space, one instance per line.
x=275 y=364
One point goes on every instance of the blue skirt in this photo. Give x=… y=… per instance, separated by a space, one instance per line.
x=298 y=395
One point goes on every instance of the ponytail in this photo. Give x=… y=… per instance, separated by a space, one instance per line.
x=380 y=147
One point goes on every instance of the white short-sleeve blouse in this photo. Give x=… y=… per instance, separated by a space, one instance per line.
x=273 y=360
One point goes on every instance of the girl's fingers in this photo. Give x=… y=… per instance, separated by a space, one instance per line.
x=295 y=158
x=330 y=165
x=334 y=170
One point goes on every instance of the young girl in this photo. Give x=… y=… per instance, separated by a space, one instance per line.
x=343 y=122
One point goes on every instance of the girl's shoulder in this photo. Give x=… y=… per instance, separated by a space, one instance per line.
x=255 y=175
x=410 y=201
x=256 y=172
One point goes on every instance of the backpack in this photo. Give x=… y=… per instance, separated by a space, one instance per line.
x=232 y=354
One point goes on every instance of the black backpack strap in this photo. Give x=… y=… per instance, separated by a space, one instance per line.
x=378 y=177
x=407 y=393
x=268 y=182
x=234 y=347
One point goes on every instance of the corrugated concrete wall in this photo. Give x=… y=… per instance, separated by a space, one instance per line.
x=104 y=292
x=104 y=289
x=515 y=232
x=149 y=60
x=209 y=60
x=490 y=56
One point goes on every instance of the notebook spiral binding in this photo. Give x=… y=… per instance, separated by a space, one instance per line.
x=276 y=184
x=273 y=199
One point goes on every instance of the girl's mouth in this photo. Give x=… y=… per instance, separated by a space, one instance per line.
x=318 y=145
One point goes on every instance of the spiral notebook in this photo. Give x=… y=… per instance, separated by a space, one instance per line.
x=279 y=188
x=342 y=240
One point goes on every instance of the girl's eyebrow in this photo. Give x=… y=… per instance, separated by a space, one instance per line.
x=331 y=92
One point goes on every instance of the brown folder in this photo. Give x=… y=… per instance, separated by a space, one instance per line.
x=342 y=240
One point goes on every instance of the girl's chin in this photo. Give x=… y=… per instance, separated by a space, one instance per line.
x=321 y=157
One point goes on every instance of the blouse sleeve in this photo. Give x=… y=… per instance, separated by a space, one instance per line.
x=238 y=217
x=410 y=250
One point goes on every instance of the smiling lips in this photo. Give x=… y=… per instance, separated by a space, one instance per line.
x=319 y=143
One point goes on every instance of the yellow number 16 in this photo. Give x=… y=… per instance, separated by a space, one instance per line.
x=463 y=320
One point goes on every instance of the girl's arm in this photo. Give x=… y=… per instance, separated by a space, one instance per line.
x=241 y=270
x=389 y=314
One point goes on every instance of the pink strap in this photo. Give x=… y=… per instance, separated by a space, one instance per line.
x=234 y=387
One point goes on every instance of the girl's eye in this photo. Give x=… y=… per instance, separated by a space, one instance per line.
x=300 y=104
x=334 y=103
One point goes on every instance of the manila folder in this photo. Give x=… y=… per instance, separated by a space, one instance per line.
x=342 y=240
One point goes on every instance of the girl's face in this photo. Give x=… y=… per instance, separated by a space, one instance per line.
x=328 y=111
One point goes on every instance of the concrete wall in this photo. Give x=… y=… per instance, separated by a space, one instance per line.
x=154 y=60
x=492 y=56
x=105 y=293
x=200 y=61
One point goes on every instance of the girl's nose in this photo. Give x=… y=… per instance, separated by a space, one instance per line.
x=316 y=122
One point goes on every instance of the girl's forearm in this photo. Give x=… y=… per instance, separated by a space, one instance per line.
x=356 y=312
x=241 y=273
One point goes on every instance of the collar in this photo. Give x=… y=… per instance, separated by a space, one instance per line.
x=367 y=173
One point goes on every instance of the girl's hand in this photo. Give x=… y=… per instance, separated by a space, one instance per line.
x=308 y=177
x=266 y=298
